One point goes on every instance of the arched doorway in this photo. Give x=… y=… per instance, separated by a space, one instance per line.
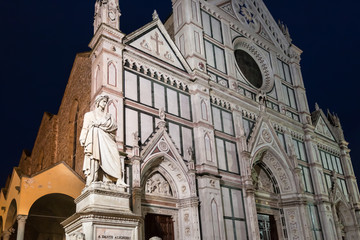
x=272 y=179
x=45 y=216
x=345 y=221
x=168 y=200
x=159 y=204
x=267 y=199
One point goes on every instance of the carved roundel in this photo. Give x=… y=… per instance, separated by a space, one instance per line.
x=266 y=136
x=163 y=146
x=253 y=64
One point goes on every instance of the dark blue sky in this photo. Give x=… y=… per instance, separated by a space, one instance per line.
x=40 y=39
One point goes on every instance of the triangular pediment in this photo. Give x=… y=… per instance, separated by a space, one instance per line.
x=264 y=136
x=154 y=40
x=322 y=126
x=258 y=20
x=160 y=142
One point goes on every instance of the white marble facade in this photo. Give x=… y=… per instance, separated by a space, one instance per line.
x=237 y=140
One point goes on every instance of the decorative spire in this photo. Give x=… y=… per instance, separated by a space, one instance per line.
x=317 y=108
x=155 y=15
x=107 y=12
x=285 y=31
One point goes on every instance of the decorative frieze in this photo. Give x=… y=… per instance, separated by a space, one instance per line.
x=220 y=102
x=154 y=72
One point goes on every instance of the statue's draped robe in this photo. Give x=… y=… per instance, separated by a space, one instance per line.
x=98 y=136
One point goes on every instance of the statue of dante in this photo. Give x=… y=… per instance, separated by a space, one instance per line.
x=102 y=159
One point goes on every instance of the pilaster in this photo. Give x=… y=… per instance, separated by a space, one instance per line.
x=188 y=32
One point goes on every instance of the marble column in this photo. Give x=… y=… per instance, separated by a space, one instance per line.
x=21 y=227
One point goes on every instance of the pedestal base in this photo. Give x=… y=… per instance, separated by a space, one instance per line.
x=103 y=212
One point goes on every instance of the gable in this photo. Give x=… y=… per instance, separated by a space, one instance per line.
x=264 y=136
x=156 y=44
x=322 y=129
x=258 y=19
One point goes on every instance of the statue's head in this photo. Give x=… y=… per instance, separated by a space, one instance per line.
x=99 y=98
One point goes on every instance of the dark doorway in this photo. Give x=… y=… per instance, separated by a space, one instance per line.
x=267 y=227
x=160 y=226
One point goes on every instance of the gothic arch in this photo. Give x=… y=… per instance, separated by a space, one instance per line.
x=208 y=147
x=97 y=83
x=112 y=74
x=204 y=110
x=260 y=174
x=171 y=170
x=112 y=109
x=215 y=219
x=278 y=166
x=73 y=132
x=344 y=213
x=182 y=206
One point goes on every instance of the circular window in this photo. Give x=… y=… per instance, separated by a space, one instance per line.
x=249 y=68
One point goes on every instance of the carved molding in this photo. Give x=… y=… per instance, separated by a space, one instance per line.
x=278 y=170
x=220 y=102
x=153 y=72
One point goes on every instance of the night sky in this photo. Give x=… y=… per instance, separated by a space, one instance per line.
x=40 y=38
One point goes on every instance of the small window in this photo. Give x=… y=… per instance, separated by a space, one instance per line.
x=212 y=26
x=223 y=120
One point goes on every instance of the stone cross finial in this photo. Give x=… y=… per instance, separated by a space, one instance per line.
x=155 y=15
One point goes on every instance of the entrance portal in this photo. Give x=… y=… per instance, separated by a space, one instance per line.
x=160 y=226
x=267 y=227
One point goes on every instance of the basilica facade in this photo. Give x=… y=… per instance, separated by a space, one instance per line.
x=214 y=131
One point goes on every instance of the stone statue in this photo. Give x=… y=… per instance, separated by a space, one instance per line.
x=102 y=160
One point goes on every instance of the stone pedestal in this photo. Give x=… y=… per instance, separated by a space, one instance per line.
x=103 y=212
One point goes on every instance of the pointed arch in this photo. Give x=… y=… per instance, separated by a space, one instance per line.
x=112 y=74
x=278 y=166
x=171 y=170
x=215 y=219
x=112 y=109
x=208 y=148
x=73 y=133
x=97 y=84
x=264 y=179
x=343 y=211
x=204 y=110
